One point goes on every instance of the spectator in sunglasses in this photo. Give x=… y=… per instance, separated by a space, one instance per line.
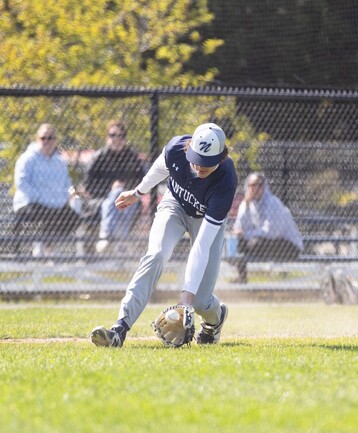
x=113 y=169
x=42 y=184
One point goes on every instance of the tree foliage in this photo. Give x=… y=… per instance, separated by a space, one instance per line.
x=103 y=42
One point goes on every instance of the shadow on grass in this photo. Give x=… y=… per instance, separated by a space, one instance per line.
x=338 y=347
x=287 y=342
x=158 y=345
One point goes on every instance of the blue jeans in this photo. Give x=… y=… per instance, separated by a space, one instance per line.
x=117 y=223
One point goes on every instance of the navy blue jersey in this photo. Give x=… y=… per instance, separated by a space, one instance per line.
x=210 y=197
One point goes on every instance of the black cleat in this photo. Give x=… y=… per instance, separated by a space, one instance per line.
x=210 y=334
x=101 y=336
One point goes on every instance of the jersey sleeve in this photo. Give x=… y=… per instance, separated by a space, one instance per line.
x=222 y=194
x=219 y=206
x=156 y=174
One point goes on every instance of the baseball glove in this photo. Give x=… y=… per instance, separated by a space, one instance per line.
x=175 y=325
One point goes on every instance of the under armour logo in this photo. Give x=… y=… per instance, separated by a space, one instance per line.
x=176 y=168
x=204 y=146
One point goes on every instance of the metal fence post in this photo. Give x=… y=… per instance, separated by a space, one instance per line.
x=154 y=143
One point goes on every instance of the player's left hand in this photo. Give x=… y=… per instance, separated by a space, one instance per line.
x=175 y=325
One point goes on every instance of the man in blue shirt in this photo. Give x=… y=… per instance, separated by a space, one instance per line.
x=201 y=186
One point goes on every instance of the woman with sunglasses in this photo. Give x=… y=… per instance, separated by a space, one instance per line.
x=42 y=184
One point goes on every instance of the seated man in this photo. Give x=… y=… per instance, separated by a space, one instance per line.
x=264 y=226
x=113 y=169
x=42 y=195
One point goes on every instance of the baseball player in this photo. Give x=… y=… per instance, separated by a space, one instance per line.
x=201 y=186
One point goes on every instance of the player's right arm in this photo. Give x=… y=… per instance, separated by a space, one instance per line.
x=156 y=174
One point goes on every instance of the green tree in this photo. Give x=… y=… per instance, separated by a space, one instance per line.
x=106 y=43
x=103 y=42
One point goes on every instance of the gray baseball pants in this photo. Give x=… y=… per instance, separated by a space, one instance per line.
x=169 y=225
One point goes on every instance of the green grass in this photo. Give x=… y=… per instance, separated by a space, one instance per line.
x=278 y=368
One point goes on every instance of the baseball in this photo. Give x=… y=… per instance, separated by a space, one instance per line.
x=172 y=316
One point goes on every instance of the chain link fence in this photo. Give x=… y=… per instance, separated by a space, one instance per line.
x=304 y=141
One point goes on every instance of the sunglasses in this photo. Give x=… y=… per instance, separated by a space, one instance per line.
x=113 y=135
x=50 y=137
